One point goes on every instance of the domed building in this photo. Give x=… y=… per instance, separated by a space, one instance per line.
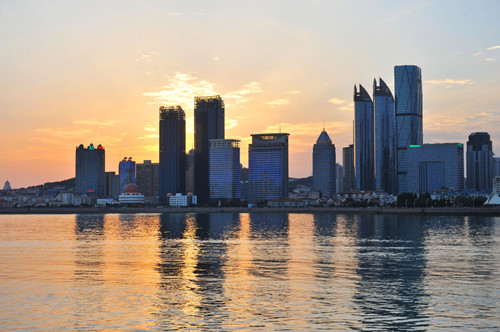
x=131 y=196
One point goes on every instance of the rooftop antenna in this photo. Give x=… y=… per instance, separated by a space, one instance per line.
x=323 y=124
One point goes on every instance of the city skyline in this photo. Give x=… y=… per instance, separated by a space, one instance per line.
x=100 y=75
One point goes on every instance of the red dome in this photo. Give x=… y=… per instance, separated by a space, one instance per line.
x=131 y=188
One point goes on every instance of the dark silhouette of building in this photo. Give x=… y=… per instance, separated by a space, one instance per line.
x=126 y=170
x=408 y=106
x=190 y=171
x=348 y=171
x=208 y=124
x=147 y=179
x=90 y=177
x=480 y=162
x=363 y=139
x=172 y=151
x=324 y=165
x=112 y=185
x=385 y=153
x=268 y=166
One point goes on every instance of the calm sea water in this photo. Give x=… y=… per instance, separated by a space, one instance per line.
x=249 y=271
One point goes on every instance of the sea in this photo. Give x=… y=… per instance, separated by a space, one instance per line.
x=249 y=271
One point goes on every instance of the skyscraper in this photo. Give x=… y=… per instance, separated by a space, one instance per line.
x=348 y=172
x=339 y=178
x=225 y=169
x=408 y=105
x=126 y=170
x=435 y=166
x=208 y=124
x=363 y=139
x=190 y=171
x=479 y=162
x=90 y=177
x=324 y=165
x=172 y=151
x=268 y=166
x=112 y=185
x=385 y=156
x=147 y=179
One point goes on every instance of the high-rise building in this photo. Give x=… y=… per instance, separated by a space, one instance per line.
x=496 y=166
x=126 y=170
x=363 y=139
x=147 y=179
x=435 y=166
x=348 y=172
x=408 y=106
x=7 y=186
x=324 y=165
x=172 y=177
x=268 y=166
x=208 y=124
x=339 y=177
x=90 y=177
x=112 y=185
x=225 y=169
x=385 y=154
x=190 y=171
x=479 y=162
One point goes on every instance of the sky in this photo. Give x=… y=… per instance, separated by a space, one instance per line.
x=81 y=72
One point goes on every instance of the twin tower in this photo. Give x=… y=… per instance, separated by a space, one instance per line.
x=384 y=128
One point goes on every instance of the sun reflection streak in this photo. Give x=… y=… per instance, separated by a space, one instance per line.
x=188 y=269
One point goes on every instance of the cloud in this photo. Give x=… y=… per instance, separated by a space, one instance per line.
x=443 y=124
x=215 y=58
x=278 y=102
x=149 y=136
x=149 y=128
x=54 y=136
x=230 y=123
x=349 y=107
x=94 y=123
x=477 y=53
x=450 y=82
x=242 y=95
x=489 y=59
x=336 y=101
x=147 y=57
x=293 y=92
x=493 y=48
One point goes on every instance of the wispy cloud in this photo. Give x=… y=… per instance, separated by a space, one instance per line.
x=477 y=53
x=489 y=59
x=149 y=128
x=278 y=102
x=293 y=92
x=147 y=57
x=149 y=136
x=55 y=135
x=94 y=123
x=496 y=47
x=215 y=58
x=231 y=123
x=448 y=82
x=349 y=107
x=336 y=101
x=242 y=95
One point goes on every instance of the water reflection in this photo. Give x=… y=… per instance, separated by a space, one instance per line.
x=391 y=263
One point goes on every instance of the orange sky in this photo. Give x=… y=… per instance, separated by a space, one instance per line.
x=91 y=71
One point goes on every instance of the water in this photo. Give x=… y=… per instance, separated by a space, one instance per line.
x=249 y=271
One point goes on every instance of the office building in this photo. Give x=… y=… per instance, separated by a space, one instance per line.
x=348 y=172
x=496 y=166
x=268 y=166
x=172 y=151
x=324 y=165
x=190 y=171
x=408 y=106
x=385 y=154
x=339 y=178
x=208 y=124
x=480 y=162
x=112 y=185
x=363 y=139
x=90 y=177
x=126 y=170
x=225 y=169
x=147 y=179
x=435 y=166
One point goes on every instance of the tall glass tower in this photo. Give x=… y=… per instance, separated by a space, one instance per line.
x=349 y=181
x=225 y=169
x=268 y=166
x=363 y=139
x=408 y=105
x=126 y=170
x=324 y=166
x=90 y=177
x=480 y=162
x=172 y=151
x=385 y=156
x=208 y=124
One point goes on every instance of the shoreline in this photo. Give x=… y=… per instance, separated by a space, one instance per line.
x=451 y=211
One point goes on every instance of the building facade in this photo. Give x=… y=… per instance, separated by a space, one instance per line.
x=225 y=169
x=112 y=185
x=339 y=177
x=435 y=166
x=172 y=175
x=208 y=124
x=348 y=172
x=268 y=166
x=324 y=165
x=90 y=176
x=408 y=106
x=385 y=146
x=147 y=179
x=480 y=162
x=190 y=171
x=496 y=166
x=363 y=139
x=126 y=170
